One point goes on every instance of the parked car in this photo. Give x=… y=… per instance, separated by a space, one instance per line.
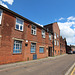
x=70 y=52
x=73 y=52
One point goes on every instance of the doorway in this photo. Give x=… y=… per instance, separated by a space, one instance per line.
x=50 y=51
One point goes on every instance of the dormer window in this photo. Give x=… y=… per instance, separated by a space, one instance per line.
x=0 y=16
x=33 y=30
x=43 y=33
x=19 y=24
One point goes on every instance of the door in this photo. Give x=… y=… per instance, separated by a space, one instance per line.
x=50 y=51
x=33 y=50
x=34 y=56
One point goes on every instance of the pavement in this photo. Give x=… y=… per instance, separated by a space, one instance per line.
x=20 y=64
x=58 y=65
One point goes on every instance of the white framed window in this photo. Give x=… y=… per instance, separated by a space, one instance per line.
x=54 y=35
x=50 y=36
x=33 y=47
x=57 y=36
x=47 y=30
x=19 y=24
x=43 y=33
x=1 y=15
x=17 y=46
x=33 y=30
x=55 y=42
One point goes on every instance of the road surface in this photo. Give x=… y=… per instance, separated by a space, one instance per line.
x=57 y=66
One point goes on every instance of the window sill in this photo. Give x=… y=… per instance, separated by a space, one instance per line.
x=43 y=38
x=33 y=35
x=16 y=53
x=18 y=30
x=33 y=53
x=41 y=53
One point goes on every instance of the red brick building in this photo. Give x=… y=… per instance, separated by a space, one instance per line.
x=63 y=45
x=73 y=48
x=69 y=49
x=23 y=40
x=54 y=28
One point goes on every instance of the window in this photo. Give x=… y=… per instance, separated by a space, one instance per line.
x=47 y=30
x=55 y=42
x=55 y=35
x=43 y=33
x=19 y=24
x=17 y=46
x=33 y=30
x=41 y=50
x=33 y=47
x=0 y=16
x=50 y=36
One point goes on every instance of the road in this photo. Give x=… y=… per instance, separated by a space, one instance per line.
x=73 y=72
x=57 y=66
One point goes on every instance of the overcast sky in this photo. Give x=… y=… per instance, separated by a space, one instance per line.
x=47 y=11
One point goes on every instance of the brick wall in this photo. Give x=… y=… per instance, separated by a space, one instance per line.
x=62 y=45
x=8 y=32
x=55 y=29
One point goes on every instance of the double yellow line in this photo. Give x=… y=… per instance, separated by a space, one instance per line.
x=73 y=72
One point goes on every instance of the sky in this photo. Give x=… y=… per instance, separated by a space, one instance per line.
x=45 y=12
